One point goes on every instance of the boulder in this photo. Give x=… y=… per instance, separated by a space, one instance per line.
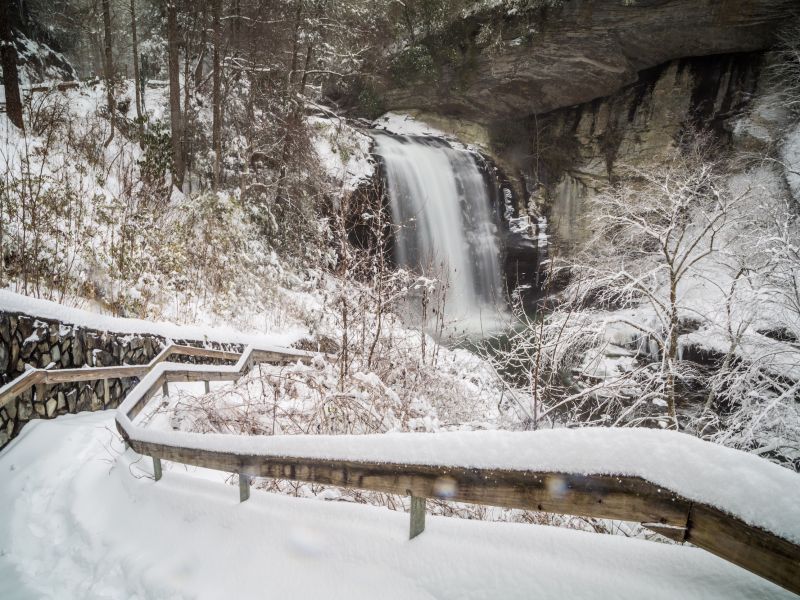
x=77 y=352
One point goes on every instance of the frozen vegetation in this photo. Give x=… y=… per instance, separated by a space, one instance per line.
x=230 y=195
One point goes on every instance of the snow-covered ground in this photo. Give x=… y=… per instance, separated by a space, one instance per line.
x=343 y=152
x=404 y=124
x=408 y=125
x=82 y=518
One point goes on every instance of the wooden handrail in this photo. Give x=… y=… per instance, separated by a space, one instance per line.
x=589 y=495
x=34 y=377
x=21 y=384
x=595 y=495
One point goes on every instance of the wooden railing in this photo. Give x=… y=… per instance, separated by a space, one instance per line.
x=40 y=378
x=595 y=495
x=589 y=495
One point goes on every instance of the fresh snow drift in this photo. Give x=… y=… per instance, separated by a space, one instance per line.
x=80 y=518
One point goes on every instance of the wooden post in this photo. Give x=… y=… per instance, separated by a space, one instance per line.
x=41 y=391
x=417 y=516
x=207 y=384
x=157 y=468
x=165 y=389
x=106 y=392
x=244 y=487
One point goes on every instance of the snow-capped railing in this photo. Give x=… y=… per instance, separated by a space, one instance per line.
x=733 y=504
x=39 y=378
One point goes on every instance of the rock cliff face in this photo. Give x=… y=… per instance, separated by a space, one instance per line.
x=560 y=97
x=563 y=156
x=560 y=158
x=495 y=65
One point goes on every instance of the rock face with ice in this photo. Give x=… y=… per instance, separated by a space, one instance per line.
x=443 y=221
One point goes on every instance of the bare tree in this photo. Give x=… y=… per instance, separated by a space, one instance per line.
x=8 y=57
x=176 y=119
x=136 y=77
x=610 y=352
x=217 y=92
x=657 y=229
x=785 y=71
x=108 y=67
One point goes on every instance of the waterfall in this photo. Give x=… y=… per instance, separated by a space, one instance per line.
x=442 y=221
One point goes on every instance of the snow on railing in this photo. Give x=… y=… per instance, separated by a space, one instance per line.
x=38 y=378
x=735 y=505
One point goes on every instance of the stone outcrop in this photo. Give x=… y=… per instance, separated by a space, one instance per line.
x=564 y=156
x=561 y=96
x=27 y=341
x=497 y=64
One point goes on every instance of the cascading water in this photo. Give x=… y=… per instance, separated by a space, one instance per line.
x=442 y=221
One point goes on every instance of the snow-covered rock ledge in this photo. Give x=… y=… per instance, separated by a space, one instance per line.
x=45 y=309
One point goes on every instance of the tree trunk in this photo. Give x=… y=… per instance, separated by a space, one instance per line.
x=671 y=354
x=292 y=110
x=136 y=77
x=217 y=97
x=295 y=49
x=186 y=146
x=304 y=79
x=176 y=122
x=8 y=57
x=198 y=68
x=236 y=17
x=108 y=67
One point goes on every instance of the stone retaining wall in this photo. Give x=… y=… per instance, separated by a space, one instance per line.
x=28 y=341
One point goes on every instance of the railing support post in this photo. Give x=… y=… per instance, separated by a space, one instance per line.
x=165 y=389
x=157 y=468
x=207 y=384
x=244 y=487
x=106 y=393
x=417 y=514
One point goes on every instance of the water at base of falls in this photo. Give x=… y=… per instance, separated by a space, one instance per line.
x=443 y=226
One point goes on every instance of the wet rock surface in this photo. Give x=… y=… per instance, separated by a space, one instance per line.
x=511 y=64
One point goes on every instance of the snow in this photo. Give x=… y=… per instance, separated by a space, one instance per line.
x=80 y=517
x=764 y=120
x=45 y=309
x=403 y=124
x=343 y=151
x=761 y=493
x=39 y=63
x=790 y=155
x=408 y=125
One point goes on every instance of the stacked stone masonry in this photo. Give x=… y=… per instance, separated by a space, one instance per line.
x=27 y=341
